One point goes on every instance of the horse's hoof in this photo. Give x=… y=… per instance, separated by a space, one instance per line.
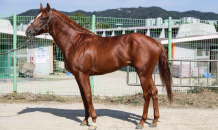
x=153 y=125
x=138 y=126
x=92 y=127
x=84 y=123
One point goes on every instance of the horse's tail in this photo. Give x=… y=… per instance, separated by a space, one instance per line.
x=164 y=70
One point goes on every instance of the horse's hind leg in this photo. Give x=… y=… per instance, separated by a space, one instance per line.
x=145 y=82
x=147 y=97
x=86 y=107
x=154 y=92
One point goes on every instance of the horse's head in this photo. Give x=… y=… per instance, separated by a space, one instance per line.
x=41 y=22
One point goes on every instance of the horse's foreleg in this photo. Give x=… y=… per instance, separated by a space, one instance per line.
x=86 y=107
x=154 y=92
x=85 y=83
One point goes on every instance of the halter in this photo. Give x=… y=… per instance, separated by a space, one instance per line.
x=43 y=27
x=35 y=32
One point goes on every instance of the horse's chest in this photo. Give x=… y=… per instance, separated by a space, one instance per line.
x=75 y=65
x=66 y=64
x=69 y=65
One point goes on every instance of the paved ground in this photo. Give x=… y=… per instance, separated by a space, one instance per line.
x=58 y=116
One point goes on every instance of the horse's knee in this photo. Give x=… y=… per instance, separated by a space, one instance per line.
x=154 y=94
x=89 y=98
x=147 y=95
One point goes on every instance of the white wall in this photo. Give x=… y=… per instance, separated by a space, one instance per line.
x=5 y=24
x=184 y=53
x=41 y=68
x=194 y=29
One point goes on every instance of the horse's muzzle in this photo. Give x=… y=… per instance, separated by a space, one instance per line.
x=30 y=34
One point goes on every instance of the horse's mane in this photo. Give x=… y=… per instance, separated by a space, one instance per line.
x=73 y=23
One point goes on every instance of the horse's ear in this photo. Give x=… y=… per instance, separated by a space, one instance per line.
x=48 y=7
x=41 y=7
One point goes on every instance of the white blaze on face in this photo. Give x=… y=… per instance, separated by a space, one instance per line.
x=39 y=15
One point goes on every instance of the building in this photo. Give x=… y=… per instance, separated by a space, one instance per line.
x=39 y=49
x=186 y=20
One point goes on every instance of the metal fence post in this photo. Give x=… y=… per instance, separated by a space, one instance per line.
x=169 y=38
x=92 y=78
x=15 y=53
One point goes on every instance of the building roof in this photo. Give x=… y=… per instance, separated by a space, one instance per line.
x=20 y=33
x=7 y=28
x=188 y=39
x=193 y=29
x=5 y=24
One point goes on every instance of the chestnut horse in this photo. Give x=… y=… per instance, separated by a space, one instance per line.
x=86 y=54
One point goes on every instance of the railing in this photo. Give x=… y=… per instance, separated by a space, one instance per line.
x=180 y=77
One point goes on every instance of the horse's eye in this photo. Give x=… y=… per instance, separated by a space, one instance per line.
x=42 y=18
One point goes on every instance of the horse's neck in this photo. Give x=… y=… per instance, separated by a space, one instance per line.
x=63 y=34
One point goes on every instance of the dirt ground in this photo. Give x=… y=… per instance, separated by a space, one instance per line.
x=193 y=111
x=68 y=116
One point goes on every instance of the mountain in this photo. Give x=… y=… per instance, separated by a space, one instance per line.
x=138 y=13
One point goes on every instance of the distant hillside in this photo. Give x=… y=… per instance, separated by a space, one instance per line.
x=138 y=13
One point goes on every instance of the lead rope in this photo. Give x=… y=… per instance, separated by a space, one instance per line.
x=13 y=50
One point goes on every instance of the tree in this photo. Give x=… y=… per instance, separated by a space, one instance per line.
x=102 y=26
x=216 y=26
x=78 y=15
x=82 y=20
x=86 y=21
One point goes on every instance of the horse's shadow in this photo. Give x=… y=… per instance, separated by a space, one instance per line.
x=74 y=114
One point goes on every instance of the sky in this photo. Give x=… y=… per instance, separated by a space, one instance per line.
x=20 y=6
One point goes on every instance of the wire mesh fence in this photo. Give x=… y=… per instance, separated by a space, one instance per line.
x=40 y=64
x=6 y=43
x=195 y=40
